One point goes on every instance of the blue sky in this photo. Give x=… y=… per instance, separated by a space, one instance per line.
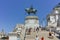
x=12 y=12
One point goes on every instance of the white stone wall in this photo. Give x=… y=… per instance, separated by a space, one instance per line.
x=58 y=28
x=12 y=37
x=31 y=23
x=52 y=24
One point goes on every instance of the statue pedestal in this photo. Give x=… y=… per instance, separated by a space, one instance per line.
x=31 y=22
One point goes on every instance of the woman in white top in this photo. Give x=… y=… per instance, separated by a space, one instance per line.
x=37 y=38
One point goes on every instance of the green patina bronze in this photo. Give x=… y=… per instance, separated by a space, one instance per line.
x=31 y=10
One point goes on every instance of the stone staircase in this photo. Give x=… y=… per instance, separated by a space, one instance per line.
x=40 y=34
x=32 y=35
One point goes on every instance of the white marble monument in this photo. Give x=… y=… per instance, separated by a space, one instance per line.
x=31 y=21
x=54 y=18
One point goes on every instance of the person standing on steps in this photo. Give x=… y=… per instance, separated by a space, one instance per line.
x=42 y=38
x=37 y=38
x=37 y=29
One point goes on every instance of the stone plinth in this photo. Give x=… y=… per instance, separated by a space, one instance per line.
x=31 y=22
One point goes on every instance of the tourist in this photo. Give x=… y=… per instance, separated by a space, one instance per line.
x=37 y=38
x=37 y=29
x=42 y=38
x=29 y=31
x=50 y=34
